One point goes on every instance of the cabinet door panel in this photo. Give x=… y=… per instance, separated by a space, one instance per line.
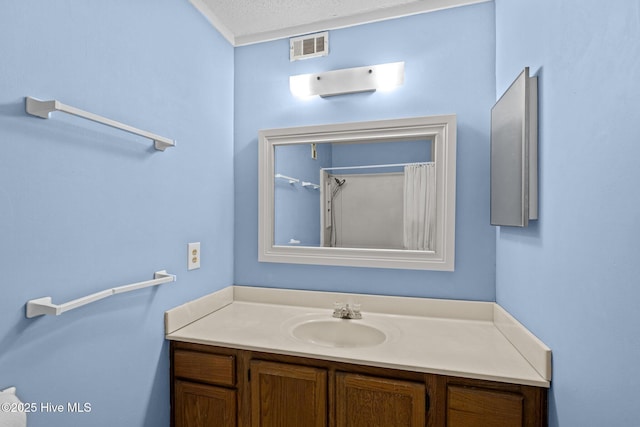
x=363 y=401
x=471 y=407
x=284 y=395
x=199 y=405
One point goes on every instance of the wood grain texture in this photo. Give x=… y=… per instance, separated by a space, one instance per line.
x=284 y=395
x=484 y=395
x=209 y=368
x=364 y=401
x=199 y=405
x=469 y=407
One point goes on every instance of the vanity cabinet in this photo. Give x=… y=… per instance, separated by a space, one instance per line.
x=217 y=386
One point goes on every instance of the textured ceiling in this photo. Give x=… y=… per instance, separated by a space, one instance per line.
x=252 y=21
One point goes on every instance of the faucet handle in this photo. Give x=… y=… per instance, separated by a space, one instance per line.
x=355 y=308
x=346 y=311
x=337 y=309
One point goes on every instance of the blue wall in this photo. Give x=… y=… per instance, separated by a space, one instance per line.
x=572 y=277
x=84 y=207
x=450 y=68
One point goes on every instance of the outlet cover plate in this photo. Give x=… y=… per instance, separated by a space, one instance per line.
x=193 y=256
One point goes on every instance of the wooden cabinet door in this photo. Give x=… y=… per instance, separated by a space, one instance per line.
x=363 y=401
x=477 y=407
x=284 y=395
x=199 y=405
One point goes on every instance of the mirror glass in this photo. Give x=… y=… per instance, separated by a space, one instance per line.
x=377 y=194
x=354 y=195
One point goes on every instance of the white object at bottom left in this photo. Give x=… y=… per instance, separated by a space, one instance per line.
x=11 y=409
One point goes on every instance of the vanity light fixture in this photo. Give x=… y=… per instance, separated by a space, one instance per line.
x=348 y=80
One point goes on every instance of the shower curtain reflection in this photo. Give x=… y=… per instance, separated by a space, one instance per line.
x=419 y=206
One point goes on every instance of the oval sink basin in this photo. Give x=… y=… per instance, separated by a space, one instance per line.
x=339 y=333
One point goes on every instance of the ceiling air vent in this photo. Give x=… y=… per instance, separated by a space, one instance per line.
x=309 y=46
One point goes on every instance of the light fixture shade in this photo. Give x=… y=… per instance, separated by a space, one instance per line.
x=348 y=80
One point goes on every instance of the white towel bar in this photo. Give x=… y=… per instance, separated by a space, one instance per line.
x=39 y=108
x=41 y=306
x=288 y=178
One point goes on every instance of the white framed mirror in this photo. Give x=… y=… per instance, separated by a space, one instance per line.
x=363 y=194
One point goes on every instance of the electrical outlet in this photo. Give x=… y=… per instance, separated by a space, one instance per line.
x=193 y=256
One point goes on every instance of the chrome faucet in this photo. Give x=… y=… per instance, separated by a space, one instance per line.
x=346 y=311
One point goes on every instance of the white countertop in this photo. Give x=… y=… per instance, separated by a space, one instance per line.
x=459 y=338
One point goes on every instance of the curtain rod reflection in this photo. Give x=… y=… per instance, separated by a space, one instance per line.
x=375 y=166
